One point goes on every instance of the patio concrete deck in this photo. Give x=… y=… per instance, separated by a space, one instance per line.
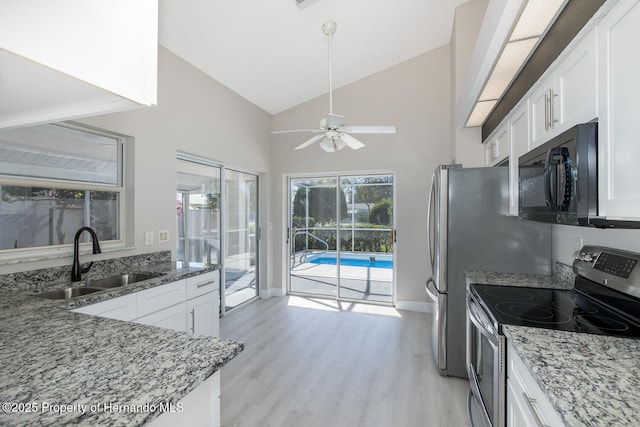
x=357 y=283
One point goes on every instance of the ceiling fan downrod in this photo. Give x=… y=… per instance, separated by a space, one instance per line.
x=329 y=29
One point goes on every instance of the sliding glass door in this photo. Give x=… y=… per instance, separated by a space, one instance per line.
x=341 y=237
x=198 y=214
x=313 y=236
x=367 y=238
x=217 y=224
x=241 y=243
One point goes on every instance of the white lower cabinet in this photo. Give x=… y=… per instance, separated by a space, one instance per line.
x=188 y=305
x=201 y=407
x=527 y=405
x=158 y=298
x=203 y=315
x=171 y=318
x=121 y=308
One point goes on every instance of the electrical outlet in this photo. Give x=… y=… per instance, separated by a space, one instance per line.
x=163 y=236
x=148 y=238
x=578 y=243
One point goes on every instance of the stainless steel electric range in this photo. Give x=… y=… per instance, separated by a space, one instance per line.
x=605 y=300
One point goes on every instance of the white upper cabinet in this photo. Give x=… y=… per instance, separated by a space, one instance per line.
x=543 y=100
x=576 y=84
x=618 y=130
x=74 y=58
x=599 y=79
x=519 y=137
x=567 y=96
x=496 y=148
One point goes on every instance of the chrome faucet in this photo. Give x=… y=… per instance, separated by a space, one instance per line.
x=76 y=271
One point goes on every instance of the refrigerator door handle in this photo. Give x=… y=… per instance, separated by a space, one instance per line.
x=432 y=294
x=429 y=210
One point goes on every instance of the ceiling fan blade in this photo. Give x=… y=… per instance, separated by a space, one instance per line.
x=369 y=129
x=351 y=142
x=309 y=142
x=295 y=130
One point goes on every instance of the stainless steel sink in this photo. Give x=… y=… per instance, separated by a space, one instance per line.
x=69 y=293
x=122 y=280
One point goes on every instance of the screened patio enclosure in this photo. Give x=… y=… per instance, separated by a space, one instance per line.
x=341 y=237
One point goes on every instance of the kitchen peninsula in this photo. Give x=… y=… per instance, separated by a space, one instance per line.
x=60 y=367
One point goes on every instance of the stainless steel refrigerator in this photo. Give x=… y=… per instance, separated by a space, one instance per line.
x=469 y=229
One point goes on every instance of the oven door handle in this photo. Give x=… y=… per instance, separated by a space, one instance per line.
x=478 y=324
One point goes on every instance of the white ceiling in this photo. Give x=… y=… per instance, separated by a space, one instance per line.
x=273 y=52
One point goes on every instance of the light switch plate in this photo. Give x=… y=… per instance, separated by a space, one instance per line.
x=163 y=236
x=148 y=238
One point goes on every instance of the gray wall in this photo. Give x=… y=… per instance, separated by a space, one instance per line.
x=195 y=114
x=566 y=238
x=466 y=147
x=414 y=96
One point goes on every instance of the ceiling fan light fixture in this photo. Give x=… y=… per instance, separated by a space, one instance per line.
x=332 y=145
x=334 y=135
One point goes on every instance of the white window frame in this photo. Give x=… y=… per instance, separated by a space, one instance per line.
x=124 y=188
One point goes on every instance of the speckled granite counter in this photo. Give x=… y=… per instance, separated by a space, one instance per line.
x=51 y=356
x=562 y=280
x=591 y=380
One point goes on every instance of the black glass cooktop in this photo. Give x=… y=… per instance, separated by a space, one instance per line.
x=567 y=310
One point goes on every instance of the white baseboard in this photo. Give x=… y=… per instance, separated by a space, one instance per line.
x=422 y=307
x=272 y=292
x=419 y=306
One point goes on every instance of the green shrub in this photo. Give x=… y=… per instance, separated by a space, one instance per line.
x=381 y=213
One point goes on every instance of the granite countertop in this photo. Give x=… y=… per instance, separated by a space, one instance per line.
x=591 y=380
x=68 y=368
x=562 y=280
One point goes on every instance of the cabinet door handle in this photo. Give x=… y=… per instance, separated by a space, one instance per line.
x=202 y=285
x=531 y=404
x=552 y=113
x=193 y=320
x=546 y=111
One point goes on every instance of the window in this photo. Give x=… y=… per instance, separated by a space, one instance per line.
x=56 y=178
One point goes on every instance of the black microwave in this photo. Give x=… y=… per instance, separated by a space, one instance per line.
x=558 y=181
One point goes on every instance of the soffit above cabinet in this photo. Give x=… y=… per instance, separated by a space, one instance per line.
x=497 y=35
x=32 y=93
x=510 y=32
x=75 y=58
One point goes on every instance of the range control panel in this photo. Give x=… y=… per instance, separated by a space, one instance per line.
x=611 y=267
x=615 y=264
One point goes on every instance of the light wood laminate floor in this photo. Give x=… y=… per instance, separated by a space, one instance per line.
x=312 y=362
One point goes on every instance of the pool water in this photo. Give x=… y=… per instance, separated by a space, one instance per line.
x=354 y=260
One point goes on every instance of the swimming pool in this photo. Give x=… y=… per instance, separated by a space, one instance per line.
x=351 y=259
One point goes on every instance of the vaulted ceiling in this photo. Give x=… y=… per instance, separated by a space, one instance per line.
x=274 y=54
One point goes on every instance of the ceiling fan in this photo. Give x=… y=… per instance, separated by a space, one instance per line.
x=333 y=133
